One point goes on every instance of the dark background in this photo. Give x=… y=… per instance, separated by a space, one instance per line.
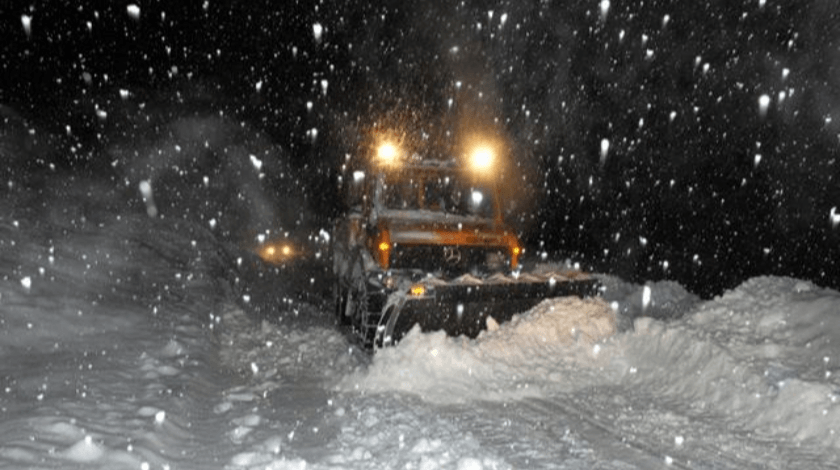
x=697 y=184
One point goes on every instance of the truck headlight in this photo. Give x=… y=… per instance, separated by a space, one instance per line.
x=387 y=153
x=481 y=158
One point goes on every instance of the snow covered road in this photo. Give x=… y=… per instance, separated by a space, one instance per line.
x=126 y=343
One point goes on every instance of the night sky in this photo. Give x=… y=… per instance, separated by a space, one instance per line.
x=692 y=141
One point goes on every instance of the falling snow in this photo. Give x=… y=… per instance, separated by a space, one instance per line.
x=763 y=104
x=26 y=20
x=605 y=149
x=605 y=9
x=133 y=11
x=691 y=154
x=317 y=32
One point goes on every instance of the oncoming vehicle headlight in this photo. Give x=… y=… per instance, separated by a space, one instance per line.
x=418 y=290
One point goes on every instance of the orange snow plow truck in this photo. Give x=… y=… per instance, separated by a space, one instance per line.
x=423 y=242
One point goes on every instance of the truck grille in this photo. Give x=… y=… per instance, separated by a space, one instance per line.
x=451 y=261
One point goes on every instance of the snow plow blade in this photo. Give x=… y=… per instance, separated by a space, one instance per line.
x=464 y=309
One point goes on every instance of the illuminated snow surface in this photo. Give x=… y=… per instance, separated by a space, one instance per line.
x=125 y=344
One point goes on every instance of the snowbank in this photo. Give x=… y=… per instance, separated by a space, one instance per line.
x=763 y=357
x=511 y=360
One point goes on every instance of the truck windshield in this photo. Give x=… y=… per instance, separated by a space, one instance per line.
x=441 y=193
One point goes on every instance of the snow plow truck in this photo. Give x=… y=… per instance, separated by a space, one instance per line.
x=423 y=242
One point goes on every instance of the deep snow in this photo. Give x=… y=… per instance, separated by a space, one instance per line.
x=132 y=342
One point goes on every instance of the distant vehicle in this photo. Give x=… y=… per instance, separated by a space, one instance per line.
x=278 y=252
x=424 y=243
